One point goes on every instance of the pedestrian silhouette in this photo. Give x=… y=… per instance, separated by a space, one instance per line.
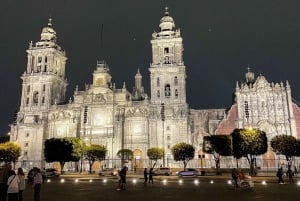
x=145 y=176
x=279 y=174
x=151 y=174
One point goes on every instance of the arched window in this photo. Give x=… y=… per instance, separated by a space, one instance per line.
x=28 y=89
x=167 y=90
x=167 y=60
x=158 y=94
x=175 y=81
x=176 y=93
x=35 y=97
x=157 y=82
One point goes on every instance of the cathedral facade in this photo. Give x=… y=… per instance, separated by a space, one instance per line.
x=103 y=114
x=120 y=119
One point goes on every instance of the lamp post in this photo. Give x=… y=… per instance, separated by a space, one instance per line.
x=82 y=148
x=162 y=113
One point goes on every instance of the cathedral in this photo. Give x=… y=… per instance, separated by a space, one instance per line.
x=123 y=119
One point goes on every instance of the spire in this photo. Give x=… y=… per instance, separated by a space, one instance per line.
x=138 y=89
x=50 y=22
x=249 y=76
x=167 y=23
x=48 y=33
x=138 y=80
x=166 y=11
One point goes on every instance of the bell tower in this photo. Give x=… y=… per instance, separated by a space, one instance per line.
x=169 y=110
x=167 y=68
x=44 y=81
x=44 y=85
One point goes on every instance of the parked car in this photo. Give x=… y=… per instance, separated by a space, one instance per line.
x=50 y=173
x=188 y=172
x=163 y=171
x=108 y=172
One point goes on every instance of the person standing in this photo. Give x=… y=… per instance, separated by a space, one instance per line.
x=235 y=177
x=145 y=176
x=151 y=174
x=119 y=181
x=22 y=183
x=13 y=183
x=123 y=178
x=290 y=175
x=37 y=184
x=4 y=174
x=279 y=174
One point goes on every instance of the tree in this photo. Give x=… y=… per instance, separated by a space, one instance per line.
x=286 y=145
x=125 y=155
x=63 y=150
x=10 y=152
x=93 y=153
x=155 y=153
x=249 y=143
x=183 y=152
x=217 y=145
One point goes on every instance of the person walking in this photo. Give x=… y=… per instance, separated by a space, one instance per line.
x=37 y=184
x=119 y=184
x=151 y=174
x=290 y=175
x=145 y=177
x=4 y=174
x=279 y=174
x=22 y=183
x=234 y=175
x=13 y=183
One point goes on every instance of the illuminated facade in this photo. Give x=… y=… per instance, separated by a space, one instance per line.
x=119 y=119
x=259 y=104
x=103 y=114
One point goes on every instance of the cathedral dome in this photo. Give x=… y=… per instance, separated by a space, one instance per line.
x=167 y=22
x=48 y=33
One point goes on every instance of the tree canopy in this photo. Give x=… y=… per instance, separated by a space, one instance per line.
x=249 y=143
x=63 y=150
x=155 y=153
x=9 y=152
x=125 y=155
x=286 y=145
x=217 y=145
x=94 y=152
x=183 y=152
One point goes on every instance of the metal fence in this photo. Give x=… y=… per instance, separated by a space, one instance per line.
x=225 y=163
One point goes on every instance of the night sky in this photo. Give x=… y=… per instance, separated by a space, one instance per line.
x=221 y=38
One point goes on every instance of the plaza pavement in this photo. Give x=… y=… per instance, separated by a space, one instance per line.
x=208 y=188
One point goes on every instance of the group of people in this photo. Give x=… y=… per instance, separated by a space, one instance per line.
x=150 y=178
x=13 y=184
x=289 y=174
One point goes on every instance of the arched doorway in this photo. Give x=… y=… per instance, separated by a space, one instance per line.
x=137 y=159
x=201 y=159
